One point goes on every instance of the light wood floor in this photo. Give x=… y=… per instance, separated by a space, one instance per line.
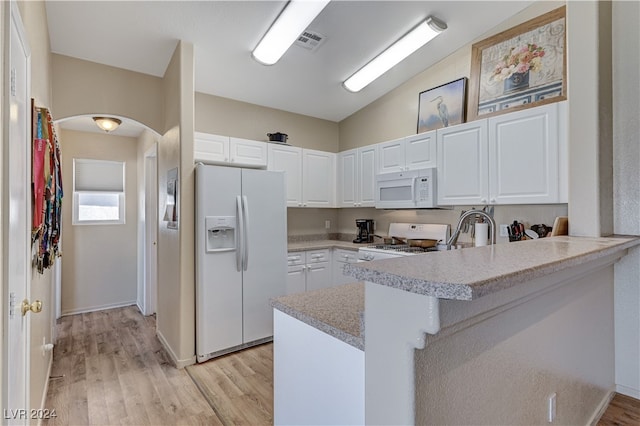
x=109 y=368
x=622 y=411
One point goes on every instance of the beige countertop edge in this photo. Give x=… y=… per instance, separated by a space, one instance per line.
x=336 y=311
x=475 y=272
x=323 y=244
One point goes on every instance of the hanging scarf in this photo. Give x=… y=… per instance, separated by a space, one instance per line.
x=47 y=190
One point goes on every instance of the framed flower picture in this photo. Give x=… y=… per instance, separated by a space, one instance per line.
x=442 y=106
x=519 y=68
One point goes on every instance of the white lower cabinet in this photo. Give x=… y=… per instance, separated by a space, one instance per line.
x=296 y=276
x=340 y=258
x=315 y=269
x=318 y=269
x=308 y=270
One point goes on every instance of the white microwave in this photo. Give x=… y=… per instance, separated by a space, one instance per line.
x=412 y=189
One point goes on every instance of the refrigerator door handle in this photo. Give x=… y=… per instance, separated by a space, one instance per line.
x=239 y=234
x=245 y=242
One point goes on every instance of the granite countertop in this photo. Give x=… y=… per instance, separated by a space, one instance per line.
x=337 y=311
x=471 y=273
x=323 y=244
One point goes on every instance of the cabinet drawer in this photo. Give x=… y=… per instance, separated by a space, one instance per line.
x=295 y=258
x=316 y=256
x=345 y=256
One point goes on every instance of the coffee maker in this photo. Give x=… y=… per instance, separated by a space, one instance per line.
x=365 y=231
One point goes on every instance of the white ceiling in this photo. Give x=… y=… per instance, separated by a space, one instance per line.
x=142 y=35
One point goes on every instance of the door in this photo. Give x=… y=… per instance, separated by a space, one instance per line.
x=265 y=250
x=523 y=156
x=319 y=276
x=421 y=150
x=218 y=275
x=288 y=159
x=318 y=169
x=391 y=156
x=211 y=148
x=296 y=280
x=348 y=178
x=248 y=153
x=463 y=167
x=151 y=231
x=17 y=204
x=366 y=178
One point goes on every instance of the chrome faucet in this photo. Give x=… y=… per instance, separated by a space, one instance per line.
x=464 y=216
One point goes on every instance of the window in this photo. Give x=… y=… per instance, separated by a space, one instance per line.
x=98 y=192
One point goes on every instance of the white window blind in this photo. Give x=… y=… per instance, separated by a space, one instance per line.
x=98 y=192
x=98 y=175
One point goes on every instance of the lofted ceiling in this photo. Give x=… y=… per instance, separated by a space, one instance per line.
x=142 y=35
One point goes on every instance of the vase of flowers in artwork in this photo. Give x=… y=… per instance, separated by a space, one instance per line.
x=514 y=68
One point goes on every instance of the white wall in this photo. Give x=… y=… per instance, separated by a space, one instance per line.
x=626 y=136
x=99 y=268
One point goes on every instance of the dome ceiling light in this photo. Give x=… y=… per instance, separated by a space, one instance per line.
x=108 y=124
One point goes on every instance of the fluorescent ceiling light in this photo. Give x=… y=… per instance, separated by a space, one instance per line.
x=286 y=29
x=409 y=43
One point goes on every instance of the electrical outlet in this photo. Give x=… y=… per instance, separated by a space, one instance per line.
x=504 y=230
x=551 y=414
x=327 y=224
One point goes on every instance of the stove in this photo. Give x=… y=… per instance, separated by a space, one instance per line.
x=414 y=231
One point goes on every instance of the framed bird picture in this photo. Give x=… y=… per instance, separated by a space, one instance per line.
x=442 y=106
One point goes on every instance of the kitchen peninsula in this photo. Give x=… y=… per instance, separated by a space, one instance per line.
x=500 y=331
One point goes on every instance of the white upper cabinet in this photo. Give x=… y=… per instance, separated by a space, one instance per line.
x=318 y=178
x=408 y=153
x=463 y=165
x=391 y=156
x=367 y=163
x=524 y=151
x=421 y=150
x=210 y=148
x=224 y=150
x=515 y=158
x=288 y=159
x=347 y=178
x=247 y=152
x=356 y=177
x=310 y=175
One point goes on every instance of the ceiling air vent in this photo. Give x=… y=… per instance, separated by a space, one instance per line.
x=310 y=40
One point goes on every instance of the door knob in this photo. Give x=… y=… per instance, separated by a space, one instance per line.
x=35 y=307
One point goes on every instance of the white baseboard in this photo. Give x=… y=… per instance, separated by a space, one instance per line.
x=179 y=363
x=43 y=401
x=97 y=308
x=602 y=407
x=626 y=390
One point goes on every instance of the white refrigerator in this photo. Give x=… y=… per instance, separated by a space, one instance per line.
x=241 y=256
